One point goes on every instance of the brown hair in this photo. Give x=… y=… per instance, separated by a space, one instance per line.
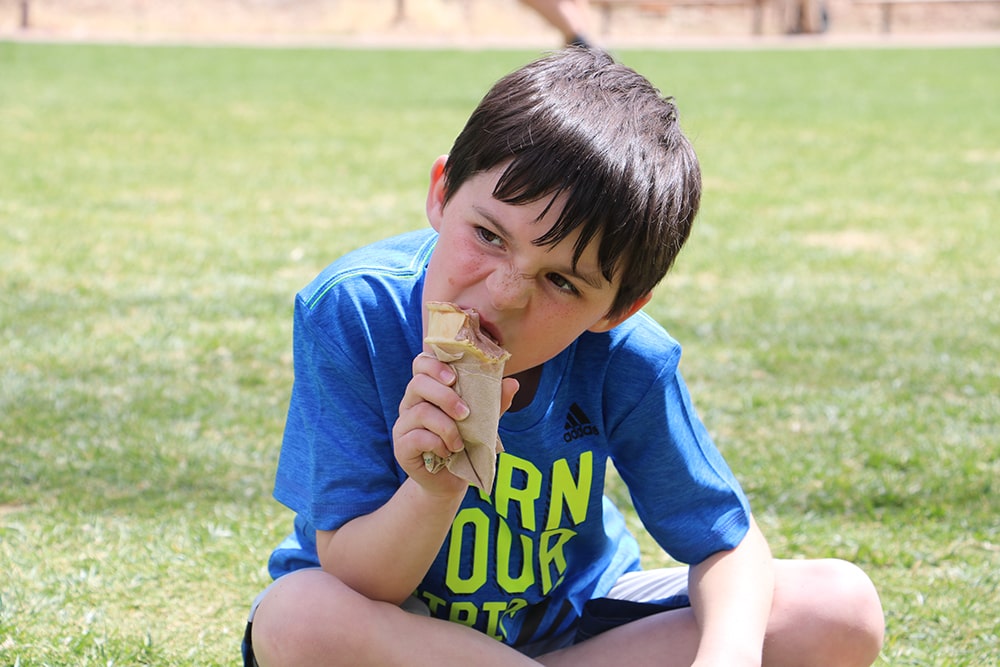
x=577 y=123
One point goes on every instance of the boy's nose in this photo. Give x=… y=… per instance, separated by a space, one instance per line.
x=509 y=288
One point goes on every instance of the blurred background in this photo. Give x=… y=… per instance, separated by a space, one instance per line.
x=491 y=23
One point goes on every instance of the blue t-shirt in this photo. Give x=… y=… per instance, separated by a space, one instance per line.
x=519 y=563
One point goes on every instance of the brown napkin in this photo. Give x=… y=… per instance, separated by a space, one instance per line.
x=454 y=336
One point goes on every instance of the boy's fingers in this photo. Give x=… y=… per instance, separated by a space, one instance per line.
x=426 y=389
x=426 y=427
x=426 y=363
x=508 y=390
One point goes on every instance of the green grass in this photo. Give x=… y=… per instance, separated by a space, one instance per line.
x=838 y=303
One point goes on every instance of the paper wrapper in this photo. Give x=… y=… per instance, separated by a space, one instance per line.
x=454 y=336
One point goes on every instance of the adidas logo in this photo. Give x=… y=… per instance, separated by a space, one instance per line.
x=578 y=424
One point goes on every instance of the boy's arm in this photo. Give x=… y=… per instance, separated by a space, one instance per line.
x=731 y=594
x=385 y=554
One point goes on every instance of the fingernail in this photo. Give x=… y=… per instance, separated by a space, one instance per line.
x=463 y=411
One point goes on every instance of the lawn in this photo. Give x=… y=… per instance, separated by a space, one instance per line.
x=839 y=304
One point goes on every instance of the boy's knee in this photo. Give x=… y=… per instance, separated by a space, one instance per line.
x=852 y=592
x=833 y=606
x=307 y=614
x=861 y=623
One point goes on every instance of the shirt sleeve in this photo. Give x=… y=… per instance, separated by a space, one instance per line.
x=683 y=491
x=337 y=460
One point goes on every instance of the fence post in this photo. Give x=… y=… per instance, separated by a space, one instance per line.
x=25 y=14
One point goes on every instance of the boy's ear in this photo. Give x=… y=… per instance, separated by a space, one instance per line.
x=609 y=323
x=435 y=193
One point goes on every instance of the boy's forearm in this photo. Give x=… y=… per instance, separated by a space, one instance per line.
x=731 y=594
x=384 y=555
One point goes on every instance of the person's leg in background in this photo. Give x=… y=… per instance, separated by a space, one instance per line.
x=570 y=17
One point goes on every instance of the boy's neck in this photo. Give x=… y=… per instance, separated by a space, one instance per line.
x=528 y=380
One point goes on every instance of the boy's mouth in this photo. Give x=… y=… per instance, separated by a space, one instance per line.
x=490 y=332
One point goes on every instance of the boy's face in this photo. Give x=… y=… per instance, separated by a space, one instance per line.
x=529 y=297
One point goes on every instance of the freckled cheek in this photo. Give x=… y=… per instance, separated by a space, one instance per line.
x=544 y=337
x=468 y=268
x=558 y=328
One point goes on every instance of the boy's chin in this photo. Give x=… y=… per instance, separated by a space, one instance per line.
x=515 y=370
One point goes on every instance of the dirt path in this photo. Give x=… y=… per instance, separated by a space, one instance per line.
x=476 y=24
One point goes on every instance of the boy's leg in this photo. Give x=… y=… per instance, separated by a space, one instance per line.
x=825 y=612
x=311 y=618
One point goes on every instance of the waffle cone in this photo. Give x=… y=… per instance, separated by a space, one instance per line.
x=454 y=336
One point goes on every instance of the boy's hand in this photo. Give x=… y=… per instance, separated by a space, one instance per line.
x=426 y=423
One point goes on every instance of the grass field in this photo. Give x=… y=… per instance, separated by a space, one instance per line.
x=839 y=303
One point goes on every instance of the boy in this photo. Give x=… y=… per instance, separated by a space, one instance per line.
x=562 y=203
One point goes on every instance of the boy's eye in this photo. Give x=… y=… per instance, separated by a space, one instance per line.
x=562 y=284
x=488 y=236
